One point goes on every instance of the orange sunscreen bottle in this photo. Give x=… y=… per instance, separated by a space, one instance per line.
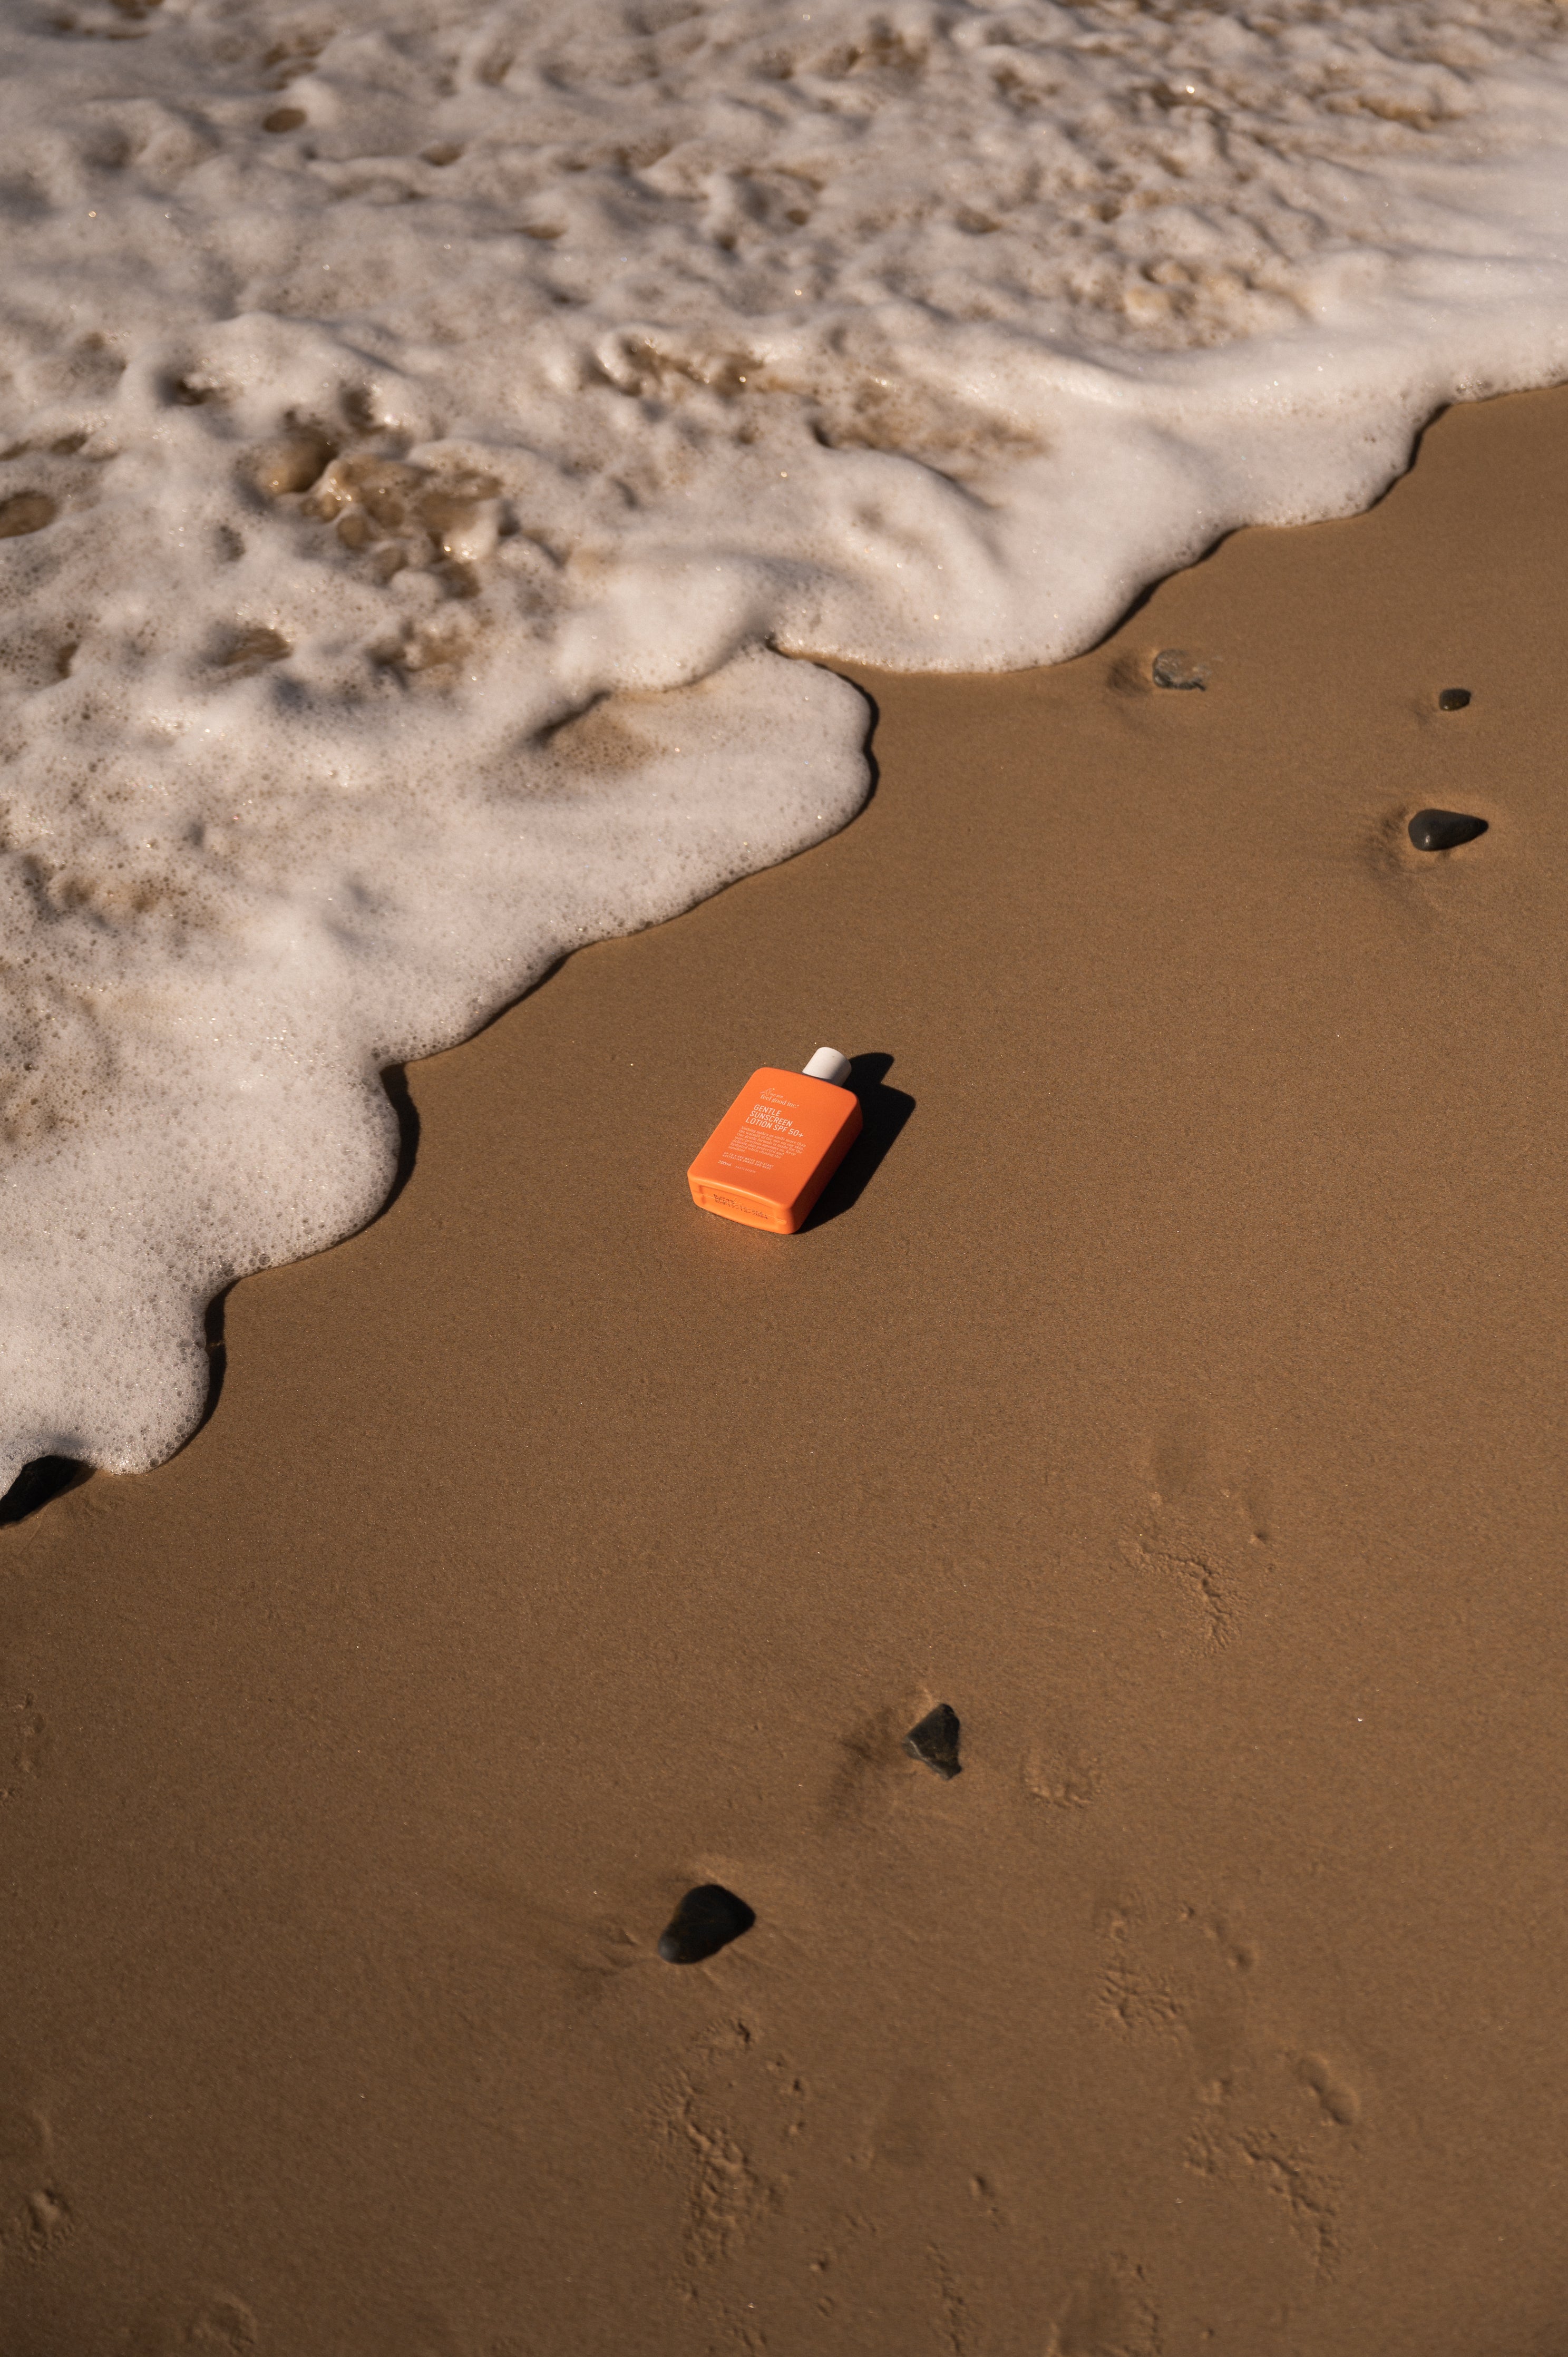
x=779 y=1145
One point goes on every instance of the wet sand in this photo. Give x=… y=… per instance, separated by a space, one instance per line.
x=1173 y=1386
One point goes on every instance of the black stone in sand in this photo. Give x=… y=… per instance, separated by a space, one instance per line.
x=1435 y=830
x=934 y=1741
x=1175 y=668
x=708 y=1919
x=1452 y=699
x=35 y=1484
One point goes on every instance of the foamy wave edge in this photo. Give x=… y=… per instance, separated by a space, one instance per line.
x=354 y=676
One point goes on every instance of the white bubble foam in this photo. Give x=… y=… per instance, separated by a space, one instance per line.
x=421 y=429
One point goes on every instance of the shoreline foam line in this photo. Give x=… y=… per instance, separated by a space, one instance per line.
x=419 y=431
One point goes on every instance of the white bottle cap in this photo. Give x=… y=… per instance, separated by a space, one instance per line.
x=827 y=1064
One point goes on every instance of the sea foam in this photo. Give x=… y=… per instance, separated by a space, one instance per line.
x=425 y=431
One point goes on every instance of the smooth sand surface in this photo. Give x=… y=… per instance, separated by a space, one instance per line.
x=1179 y=1397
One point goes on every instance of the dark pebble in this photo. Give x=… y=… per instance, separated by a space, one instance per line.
x=934 y=1741
x=1175 y=668
x=1435 y=830
x=35 y=1484
x=1452 y=699
x=707 y=1920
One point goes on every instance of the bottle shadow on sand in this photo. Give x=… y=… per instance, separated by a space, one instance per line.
x=884 y=1112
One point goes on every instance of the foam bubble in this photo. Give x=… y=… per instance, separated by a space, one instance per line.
x=424 y=430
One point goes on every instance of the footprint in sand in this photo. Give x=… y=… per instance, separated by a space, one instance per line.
x=911 y=2125
x=25 y=1739
x=1244 y=2151
x=1336 y=2098
x=1181 y=1971
x=1110 y=2312
x=1268 y=2118
x=34 y=2213
x=1139 y=1991
x=1208 y=1541
x=726 y=2194
x=731 y=2118
x=200 y=2324
x=1284 y=2126
x=1063 y=1776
